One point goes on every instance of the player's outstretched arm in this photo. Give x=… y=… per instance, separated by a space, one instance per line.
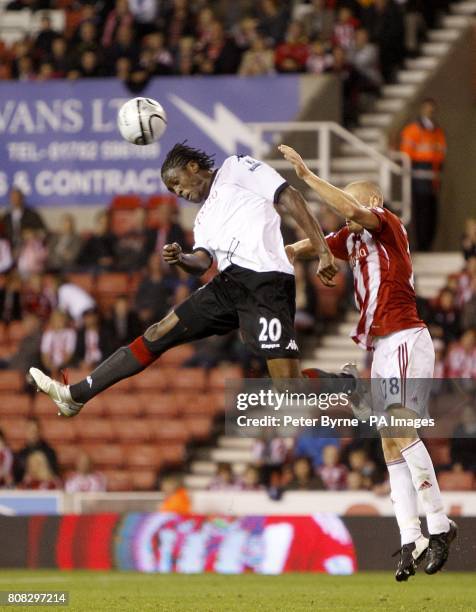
x=196 y=263
x=341 y=202
x=297 y=207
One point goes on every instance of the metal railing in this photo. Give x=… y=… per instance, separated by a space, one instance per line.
x=394 y=170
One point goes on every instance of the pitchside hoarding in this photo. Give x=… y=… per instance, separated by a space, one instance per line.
x=60 y=145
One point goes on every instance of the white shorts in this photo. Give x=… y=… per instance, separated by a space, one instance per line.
x=402 y=370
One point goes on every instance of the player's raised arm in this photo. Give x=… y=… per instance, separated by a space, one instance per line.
x=297 y=207
x=196 y=263
x=341 y=202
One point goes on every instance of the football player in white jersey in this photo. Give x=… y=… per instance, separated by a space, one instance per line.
x=238 y=226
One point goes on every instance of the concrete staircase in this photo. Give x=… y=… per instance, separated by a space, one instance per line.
x=350 y=165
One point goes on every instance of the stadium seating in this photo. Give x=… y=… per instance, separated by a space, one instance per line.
x=456 y=481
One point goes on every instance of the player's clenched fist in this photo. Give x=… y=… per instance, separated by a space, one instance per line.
x=171 y=253
x=327 y=270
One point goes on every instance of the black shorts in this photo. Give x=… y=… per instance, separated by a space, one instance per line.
x=261 y=305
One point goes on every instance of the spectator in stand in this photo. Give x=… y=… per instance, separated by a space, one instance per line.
x=132 y=249
x=258 y=60
x=312 y=442
x=38 y=473
x=59 y=57
x=145 y=13
x=466 y=281
x=319 y=19
x=155 y=57
x=341 y=67
x=122 y=325
x=440 y=356
x=6 y=255
x=84 y=479
x=92 y=342
x=250 y=480
x=169 y=229
x=97 y=253
x=245 y=32
x=88 y=67
x=273 y=20
x=32 y=253
x=64 y=246
x=178 y=23
x=445 y=317
x=220 y=55
x=28 y=353
x=185 y=61
x=10 y=298
x=468 y=241
x=292 y=54
x=6 y=463
x=360 y=463
x=269 y=454
x=70 y=298
x=384 y=20
x=319 y=60
x=87 y=39
x=468 y=315
x=119 y=16
x=303 y=477
x=58 y=343
x=461 y=357
x=35 y=298
x=26 y=69
x=344 y=29
x=364 y=58
x=332 y=472
x=34 y=442
x=223 y=479
x=45 y=72
x=355 y=482
x=124 y=45
x=153 y=297
x=424 y=142
x=176 y=498
x=462 y=445
x=20 y=217
x=45 y=37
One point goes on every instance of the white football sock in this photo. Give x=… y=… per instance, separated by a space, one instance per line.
x=425 y=482
x=405 y=501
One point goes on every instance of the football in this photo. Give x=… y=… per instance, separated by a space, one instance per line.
x=142 y=121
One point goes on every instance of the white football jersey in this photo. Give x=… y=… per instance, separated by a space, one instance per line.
x=238 y=223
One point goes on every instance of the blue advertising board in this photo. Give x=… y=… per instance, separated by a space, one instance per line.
x=59 y=141
x=28 y=502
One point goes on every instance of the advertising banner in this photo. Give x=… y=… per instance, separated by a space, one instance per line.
x=59 y=141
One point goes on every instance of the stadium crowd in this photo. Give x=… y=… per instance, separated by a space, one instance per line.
x=363 y=42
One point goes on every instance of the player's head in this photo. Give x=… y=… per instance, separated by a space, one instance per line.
x=367 y=194
x=187 y=172
x=428 y=108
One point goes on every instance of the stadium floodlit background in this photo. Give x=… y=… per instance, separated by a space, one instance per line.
x=147 y=478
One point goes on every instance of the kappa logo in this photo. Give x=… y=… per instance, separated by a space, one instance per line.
x=292 y=346
x=89 y=381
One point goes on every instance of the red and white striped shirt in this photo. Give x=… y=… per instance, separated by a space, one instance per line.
x=383 y=277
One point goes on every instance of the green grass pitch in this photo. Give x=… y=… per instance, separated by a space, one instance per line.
x=130 y=591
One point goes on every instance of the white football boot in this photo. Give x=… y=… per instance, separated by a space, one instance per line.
x=58 y=392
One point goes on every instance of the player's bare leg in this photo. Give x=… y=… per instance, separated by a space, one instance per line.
x=284 y=368
x=413 y=452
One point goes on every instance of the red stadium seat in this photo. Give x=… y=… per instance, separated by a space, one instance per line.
x=58 y=430
x=219 y=376
x=158 y=404
x=169 y=430
x=198 y=405
x=11 y=380
x=85 y=281
x=43 y=406
x=15 y=404
x=143 y=480
x=143 y=456
x=188 y=378
x=106 y=455
x=456 y=481
x=112 y=282
x=175 y=356
x=123 y=405
x=15 y=331
x=198 y=427
x=14 y=430
x=67 y=455
x=132 y=430
x=92 y=430
x=152 y=379
x=125 y=385
x=118 y=480
x=126 y=202
x=172 y=453
x=95 y=407
x=440 y=453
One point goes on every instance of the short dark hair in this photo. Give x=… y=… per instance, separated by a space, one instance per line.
x=181 y=154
